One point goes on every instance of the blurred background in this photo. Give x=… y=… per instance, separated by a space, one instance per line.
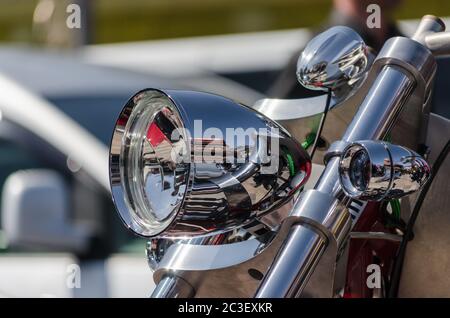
x=136 y=20
x=66 y=70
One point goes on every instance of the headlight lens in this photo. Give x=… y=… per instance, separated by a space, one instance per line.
x=360 y=170
x=153 y=183
x=155 y=194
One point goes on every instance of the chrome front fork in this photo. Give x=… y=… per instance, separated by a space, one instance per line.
x=404 y=73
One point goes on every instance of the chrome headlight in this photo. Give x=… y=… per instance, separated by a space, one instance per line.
x=375 y=170
x=189 y=163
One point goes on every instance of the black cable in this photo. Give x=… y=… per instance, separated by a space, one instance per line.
x=322 y=123
x=398 y=263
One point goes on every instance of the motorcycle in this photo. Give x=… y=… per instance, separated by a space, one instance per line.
x=221 y=190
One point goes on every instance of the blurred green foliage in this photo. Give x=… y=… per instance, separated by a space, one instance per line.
x=132 y=20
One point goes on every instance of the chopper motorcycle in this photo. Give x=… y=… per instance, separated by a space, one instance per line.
x=226 y=193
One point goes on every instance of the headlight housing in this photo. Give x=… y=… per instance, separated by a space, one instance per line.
x=188 y=163
x=376 y=170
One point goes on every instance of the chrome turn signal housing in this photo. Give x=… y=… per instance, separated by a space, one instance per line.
x=187 y=163
x=376 y=170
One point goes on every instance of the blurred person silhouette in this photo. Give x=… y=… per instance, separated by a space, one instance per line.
x=351 y=13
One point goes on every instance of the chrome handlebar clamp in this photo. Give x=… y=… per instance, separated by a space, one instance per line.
x=335 y=150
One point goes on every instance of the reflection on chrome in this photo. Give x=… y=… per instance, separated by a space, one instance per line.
x=179 y=168
x=335 y=59
x=376 y=170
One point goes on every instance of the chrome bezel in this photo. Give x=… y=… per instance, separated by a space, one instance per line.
x=120 y=143
x=380 y=176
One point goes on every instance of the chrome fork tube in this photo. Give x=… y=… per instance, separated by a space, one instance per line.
x=297 y=259
x=173 y=287
x=382 y=105
x=296 y=266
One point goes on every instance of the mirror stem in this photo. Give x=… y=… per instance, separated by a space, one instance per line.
x=322 y=123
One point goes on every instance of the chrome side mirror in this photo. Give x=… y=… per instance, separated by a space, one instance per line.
x=337 y=59
x=189 y=163
x=376 y=170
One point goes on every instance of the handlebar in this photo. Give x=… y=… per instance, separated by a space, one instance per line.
x=438 y=43
x=430 y=34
